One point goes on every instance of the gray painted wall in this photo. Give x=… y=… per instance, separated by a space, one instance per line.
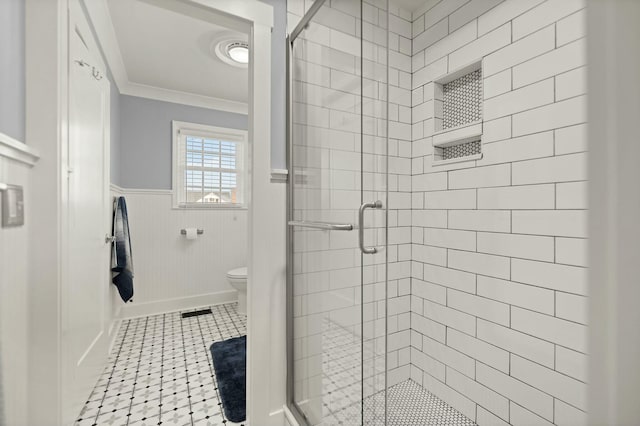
x=114 y=115
x=115 y=131
x=12 y=68
x=146 y=140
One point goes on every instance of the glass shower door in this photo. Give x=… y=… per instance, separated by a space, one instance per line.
x=337 y=218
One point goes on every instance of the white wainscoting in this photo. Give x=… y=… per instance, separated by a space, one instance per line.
x=14 y=304
x=171 y=272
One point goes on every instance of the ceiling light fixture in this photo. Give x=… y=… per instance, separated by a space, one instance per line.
x=239 y=52
x=231 y=50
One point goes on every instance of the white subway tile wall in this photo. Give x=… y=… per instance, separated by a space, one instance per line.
x=487 y=265
x=498 y=287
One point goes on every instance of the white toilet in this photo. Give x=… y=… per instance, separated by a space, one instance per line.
x=238 y=280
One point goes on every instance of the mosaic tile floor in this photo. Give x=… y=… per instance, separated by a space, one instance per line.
x=160 y=372
x=408 y=403
x=411 y=404
x=342 y=357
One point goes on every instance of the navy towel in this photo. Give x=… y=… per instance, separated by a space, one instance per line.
x=123 y=279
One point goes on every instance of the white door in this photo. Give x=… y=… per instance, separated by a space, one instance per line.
x=86 y=283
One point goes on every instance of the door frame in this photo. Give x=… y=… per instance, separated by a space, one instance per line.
x=46 y=130
x=614 y=208
x=266 y=221
x=294 y=413
x=47 y=80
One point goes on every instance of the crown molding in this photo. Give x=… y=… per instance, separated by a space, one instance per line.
x=100 y=17
x=184 y=98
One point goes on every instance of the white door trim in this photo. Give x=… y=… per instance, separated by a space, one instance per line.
x=266 y=365
x=266 y=258
x=46 y=131
x=614 y=209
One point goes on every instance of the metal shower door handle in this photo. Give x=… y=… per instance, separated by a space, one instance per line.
x=363 y=207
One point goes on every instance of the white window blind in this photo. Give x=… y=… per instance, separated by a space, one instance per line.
x=208 y=167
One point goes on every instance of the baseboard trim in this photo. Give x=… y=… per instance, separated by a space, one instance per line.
x=133 y=310
x=277 y=418
x=113 y=333
x=289 y=417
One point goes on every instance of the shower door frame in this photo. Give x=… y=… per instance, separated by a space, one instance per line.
x=290 y=402
x=291 y=408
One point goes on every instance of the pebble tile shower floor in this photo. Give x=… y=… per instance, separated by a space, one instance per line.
x=408 y=403
x=160 y=371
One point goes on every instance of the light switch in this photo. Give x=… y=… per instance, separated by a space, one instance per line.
x=12 y=206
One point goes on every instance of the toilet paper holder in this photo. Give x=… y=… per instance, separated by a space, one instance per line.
x=199 y=231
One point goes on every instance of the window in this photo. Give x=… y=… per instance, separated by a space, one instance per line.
x=208 y=166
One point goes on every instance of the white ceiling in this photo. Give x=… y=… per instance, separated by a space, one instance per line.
x=169 y=50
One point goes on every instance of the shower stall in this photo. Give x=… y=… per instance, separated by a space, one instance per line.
x=437 y=213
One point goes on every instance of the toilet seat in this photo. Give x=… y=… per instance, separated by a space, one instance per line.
x=238 y=273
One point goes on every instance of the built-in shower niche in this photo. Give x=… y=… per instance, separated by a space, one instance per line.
x=457 y=98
